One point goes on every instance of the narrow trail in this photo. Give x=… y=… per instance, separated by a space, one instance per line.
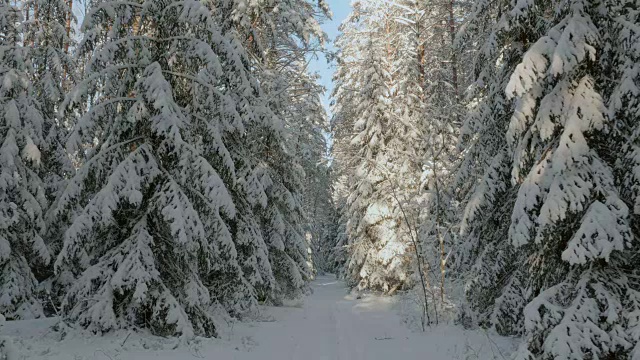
x=330 y=325
x=333 y=325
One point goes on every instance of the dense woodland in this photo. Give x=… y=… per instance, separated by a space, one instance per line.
x=166 y=161
x=160 y=168
x=495 y=146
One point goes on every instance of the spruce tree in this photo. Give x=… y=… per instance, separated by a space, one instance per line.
x=554 y=176
x=623 y=106
x=22 y=192
x=275 y=35
x=47 y=35
x=377 y=135
x=482 y=180
x=152 y=230
x=308 y=124
x=569 y=209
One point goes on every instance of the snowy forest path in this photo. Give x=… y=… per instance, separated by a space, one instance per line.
x=331 y=324
x=334 y=325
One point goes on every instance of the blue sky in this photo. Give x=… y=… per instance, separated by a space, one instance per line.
x=340 y=8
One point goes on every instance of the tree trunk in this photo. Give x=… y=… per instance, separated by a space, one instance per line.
x=68 y=26
x=454 y=60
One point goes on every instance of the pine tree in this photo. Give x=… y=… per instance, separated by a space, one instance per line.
x=22 y=191
x=152 y=232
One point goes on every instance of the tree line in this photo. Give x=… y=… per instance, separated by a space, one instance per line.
x=159 y=159
x=495 y=146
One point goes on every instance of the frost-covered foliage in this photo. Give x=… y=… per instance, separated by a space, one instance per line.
x=22 y=191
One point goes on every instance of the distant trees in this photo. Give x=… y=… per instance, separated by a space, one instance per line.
x=376 y=144
x=395 y=71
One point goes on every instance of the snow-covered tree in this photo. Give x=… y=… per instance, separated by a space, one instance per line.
x=429 y=83
x=22 y=191
x=151 y=246
x=568 y=208
x=482 y=179
x=277 y=35
x=308 y=126
x=551 y=179
x=47 y=36
x=377 y=145
x=624 y=106
x=264 y=24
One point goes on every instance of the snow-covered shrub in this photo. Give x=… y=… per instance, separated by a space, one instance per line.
x=7 y=351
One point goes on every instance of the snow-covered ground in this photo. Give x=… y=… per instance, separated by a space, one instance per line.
x=330 y=325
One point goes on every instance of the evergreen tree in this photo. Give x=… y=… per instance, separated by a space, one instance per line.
x=22 y=191
x=152 y=230
x=429 y=83
x=569 y=231
x=482 y=180
x=568 y=204
x=247 y=189
x=623 y=106
x=276 y=35
x=307 y=121
x=380 y=145
x=47 y=36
